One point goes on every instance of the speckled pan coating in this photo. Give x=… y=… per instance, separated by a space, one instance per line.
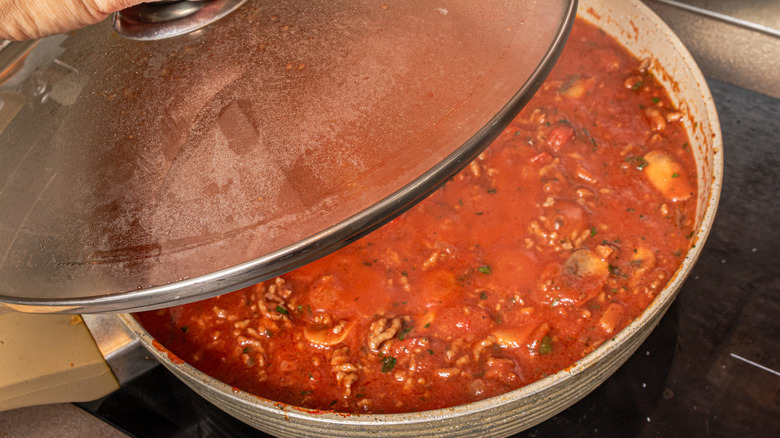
x=644 y=34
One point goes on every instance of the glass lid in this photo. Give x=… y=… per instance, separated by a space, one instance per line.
x=137 y=174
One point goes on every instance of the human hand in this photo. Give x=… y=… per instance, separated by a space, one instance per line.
x=31 y=19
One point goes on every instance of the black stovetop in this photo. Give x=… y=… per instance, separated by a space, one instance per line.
x=711 y=368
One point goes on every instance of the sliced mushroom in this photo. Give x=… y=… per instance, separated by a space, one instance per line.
x=327 y=335
x=643 y=261
x=611 y=317
x=668 y=176
x=576 y=89
x=585 y=262
x=513 y=337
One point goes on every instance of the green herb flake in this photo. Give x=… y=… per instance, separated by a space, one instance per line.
x=485 y=269
x=690 y=235
x=430 y=352
x=388 y=363
x=555 y=302
x=247 y=350
x=483 y=295
x=491 y=191
x=675 y=175
x=282 y=310
x=184 y=329
x=546 y=345
x=479 y=213
x=306 y=392
x=656 y=99
x=402 y=334
x=404 y=273
x=685 y=145
x=333 y=402
x=427 y=325
x=637 y=85
x=639 y=162
x=593 y=231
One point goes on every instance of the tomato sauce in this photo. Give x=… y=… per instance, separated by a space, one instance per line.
x=544 y=247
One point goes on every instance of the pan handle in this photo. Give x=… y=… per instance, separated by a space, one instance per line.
x=49 y=359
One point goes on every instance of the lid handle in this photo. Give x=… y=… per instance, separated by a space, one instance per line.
x=166 y=19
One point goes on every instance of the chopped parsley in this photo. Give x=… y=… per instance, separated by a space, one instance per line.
x=656 y=99
x=546 y=345
x=388 y=363
x=639 y=162
x=402 y=334
x=485 y=269
x=593 y=231
x=184 y=329
x=675 y=175
x=491 y=190
x=637 y=85
x=247 y=350
x=483 y=295
x=281 y=310
x=427 y=325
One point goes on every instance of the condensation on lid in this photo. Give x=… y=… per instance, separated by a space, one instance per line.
x=136 y=174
